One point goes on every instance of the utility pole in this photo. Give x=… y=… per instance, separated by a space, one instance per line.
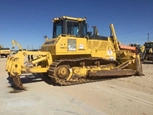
x=148 y=37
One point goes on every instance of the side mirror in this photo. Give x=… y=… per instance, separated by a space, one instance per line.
x=46 y=37
x=89 y=33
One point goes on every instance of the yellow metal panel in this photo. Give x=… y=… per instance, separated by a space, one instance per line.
x=37 y=69
x=71 y=45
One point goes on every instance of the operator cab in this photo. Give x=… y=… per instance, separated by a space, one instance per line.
x=69 y=26
x=148 y=44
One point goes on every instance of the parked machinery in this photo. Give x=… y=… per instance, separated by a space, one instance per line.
x=148 y=52
x=137 y=47
x=145 y=51
x=16 y=43
x=74 y=56
x=139 y=50
x=4 y=51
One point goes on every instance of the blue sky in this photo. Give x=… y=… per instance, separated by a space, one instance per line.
x=27 y=21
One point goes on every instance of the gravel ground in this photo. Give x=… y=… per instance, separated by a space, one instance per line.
x=122 y=96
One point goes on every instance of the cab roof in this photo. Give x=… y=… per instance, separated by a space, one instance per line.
x=69 y=18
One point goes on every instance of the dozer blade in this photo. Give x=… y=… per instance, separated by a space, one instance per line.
x=112 y=73
x=139 y=66
x=137 y=70
x=18 y=83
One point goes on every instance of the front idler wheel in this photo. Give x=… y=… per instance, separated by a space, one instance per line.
x=62 y=72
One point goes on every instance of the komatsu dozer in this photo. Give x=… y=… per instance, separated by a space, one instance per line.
x=75 y=56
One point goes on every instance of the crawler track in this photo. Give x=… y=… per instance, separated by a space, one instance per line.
x=75 y=63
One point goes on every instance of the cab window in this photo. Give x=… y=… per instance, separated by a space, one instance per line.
x=72 y=28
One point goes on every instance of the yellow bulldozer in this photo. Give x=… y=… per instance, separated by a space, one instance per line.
x=75 y=56
x=4 y=51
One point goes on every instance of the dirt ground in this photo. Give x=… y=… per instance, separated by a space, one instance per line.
x=122 y=96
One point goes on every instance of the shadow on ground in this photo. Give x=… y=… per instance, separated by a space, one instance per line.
x=147 y=62
x=29 y=79
x=42 y=77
